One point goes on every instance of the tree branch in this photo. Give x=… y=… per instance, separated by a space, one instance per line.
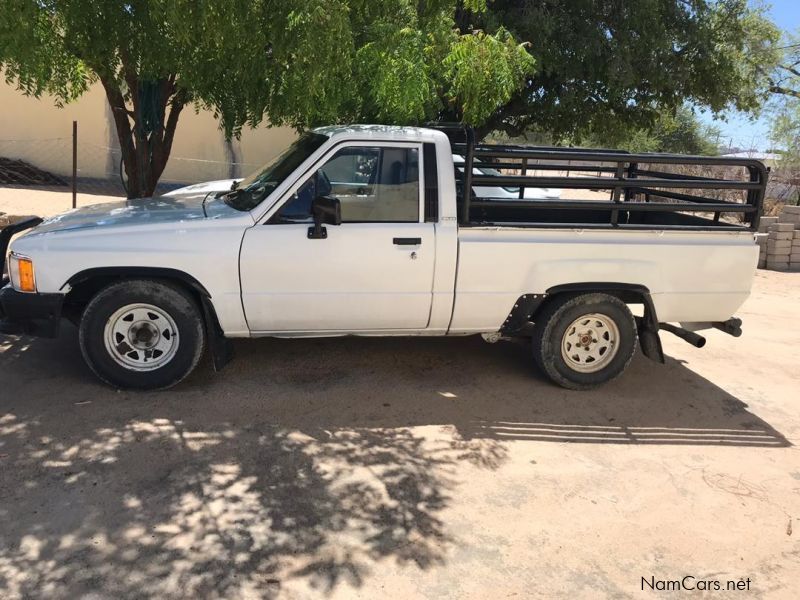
x=790 y=69
x=779 y=89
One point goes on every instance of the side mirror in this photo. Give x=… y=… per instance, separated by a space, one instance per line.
x=326 y=210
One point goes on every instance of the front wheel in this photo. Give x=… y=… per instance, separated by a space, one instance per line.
x=583 y=341
x=142 y=334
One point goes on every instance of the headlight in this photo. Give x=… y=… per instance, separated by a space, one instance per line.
x=20 y=269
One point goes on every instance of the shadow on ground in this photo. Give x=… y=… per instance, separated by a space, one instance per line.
x=312 y=460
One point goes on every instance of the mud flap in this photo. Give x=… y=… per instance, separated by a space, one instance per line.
x=221 y=348
x=648 y=327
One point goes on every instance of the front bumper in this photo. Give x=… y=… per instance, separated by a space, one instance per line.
x=29 y=314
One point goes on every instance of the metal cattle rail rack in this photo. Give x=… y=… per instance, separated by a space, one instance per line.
x=633 y=189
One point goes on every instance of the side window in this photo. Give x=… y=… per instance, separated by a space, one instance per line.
x=372 y=184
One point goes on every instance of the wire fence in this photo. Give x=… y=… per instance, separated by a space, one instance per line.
x=40 y=168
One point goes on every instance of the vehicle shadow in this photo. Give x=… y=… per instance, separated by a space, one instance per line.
x=305 y=465
x=490 y=391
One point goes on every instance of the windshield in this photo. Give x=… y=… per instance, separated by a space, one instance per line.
x=252 y=190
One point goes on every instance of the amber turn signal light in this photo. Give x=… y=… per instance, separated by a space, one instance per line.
x=27 y=283
x=21 y=270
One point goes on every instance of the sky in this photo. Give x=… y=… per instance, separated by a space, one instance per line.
x=739 y=129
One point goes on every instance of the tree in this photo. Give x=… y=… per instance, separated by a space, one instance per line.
x=586 y=67
x=785 y=105
x=297 y=62
x=604 y=65
x=784 y=81
x=679 y=133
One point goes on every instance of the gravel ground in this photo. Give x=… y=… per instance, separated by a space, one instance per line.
x=401 y=468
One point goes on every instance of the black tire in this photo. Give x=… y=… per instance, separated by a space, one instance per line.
x=550 y=328
x=188 y=336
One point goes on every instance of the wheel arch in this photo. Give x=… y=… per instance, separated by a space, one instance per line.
x=99 y=277
x=523 y=314
x=83 y=286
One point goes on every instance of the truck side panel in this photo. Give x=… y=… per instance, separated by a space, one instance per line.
x=692 y=276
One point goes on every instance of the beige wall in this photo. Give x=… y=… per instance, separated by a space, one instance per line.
x=40 y=133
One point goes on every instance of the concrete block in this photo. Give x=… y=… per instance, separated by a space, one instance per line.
x=780 y=242
x=781 y=227
x=780 y=235
x=762 y=264
x=765 y=223
x=791 y=209
x=778 y=266
x=777 y=246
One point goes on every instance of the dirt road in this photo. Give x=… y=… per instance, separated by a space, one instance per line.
x=401 y=468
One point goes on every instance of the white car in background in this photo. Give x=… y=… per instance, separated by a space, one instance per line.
x=498 y=193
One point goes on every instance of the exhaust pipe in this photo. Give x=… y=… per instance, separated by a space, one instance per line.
x=731 y=326
x=698 y=341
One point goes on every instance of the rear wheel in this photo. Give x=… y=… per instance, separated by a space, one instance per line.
x=583 y=341
x=142 y=334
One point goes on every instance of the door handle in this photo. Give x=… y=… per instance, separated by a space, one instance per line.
x=407 y=241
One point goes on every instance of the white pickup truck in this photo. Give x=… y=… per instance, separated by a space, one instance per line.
x=366 y=230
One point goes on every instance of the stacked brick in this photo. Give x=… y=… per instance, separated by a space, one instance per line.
x=779 y=241
x=761 y=239
x=791 y=214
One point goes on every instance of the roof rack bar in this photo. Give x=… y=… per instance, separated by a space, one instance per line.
x=612 y=157
x=613 y=206
x=605 y=226
x=547 y=166
x=601 y=183
x=683 y=197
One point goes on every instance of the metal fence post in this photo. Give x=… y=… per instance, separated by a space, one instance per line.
x=74 y=164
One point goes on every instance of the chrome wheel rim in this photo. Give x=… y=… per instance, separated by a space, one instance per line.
x=141 y=337
x=590 y=343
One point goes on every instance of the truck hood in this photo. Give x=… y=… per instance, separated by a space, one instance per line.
x=140 y=211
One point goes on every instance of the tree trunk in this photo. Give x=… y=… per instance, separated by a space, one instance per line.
x=144 y=153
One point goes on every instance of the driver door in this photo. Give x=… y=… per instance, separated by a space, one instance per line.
x=373 y=272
